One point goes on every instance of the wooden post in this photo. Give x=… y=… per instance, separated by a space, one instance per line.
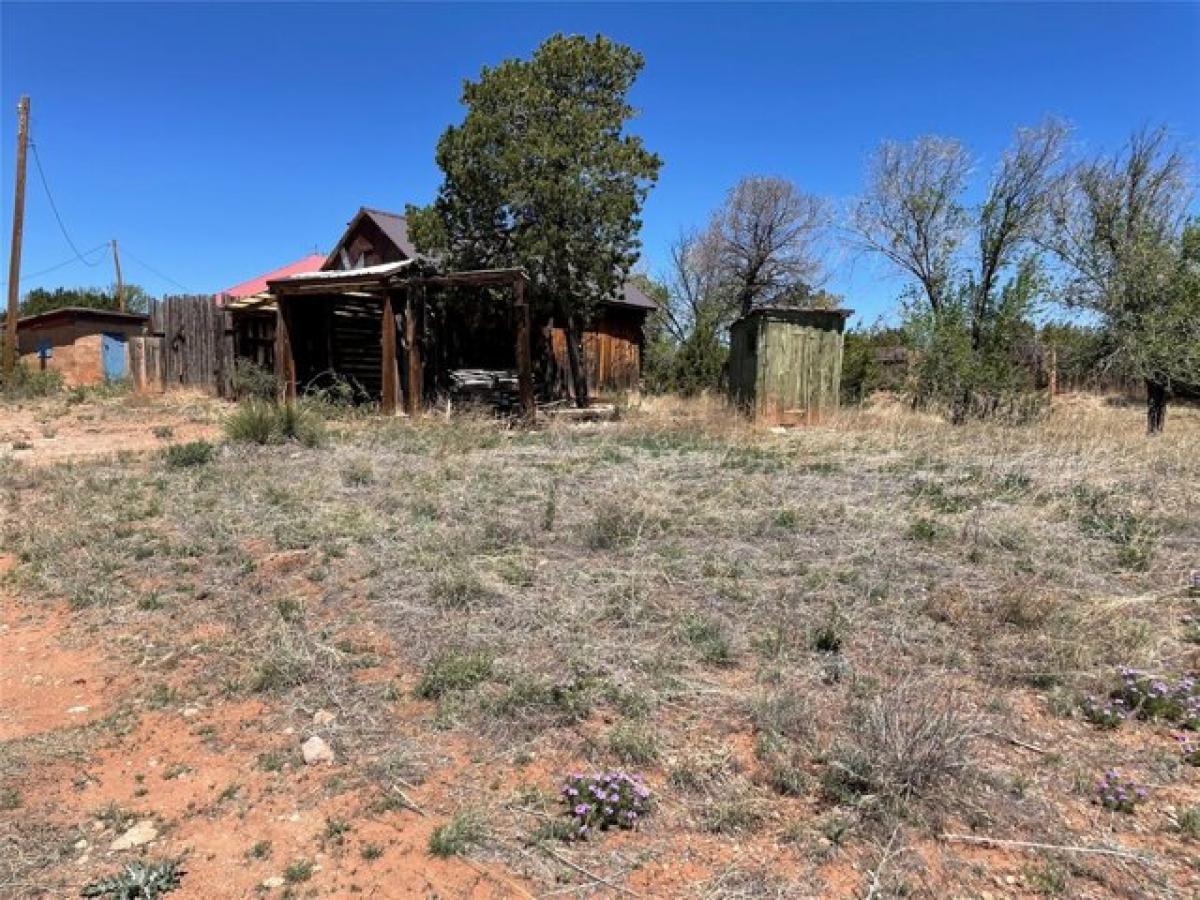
x=120 y=281
x=1052 y=372
x=9 y=360
x=285 y=363
x=391 y=375
x=524 y=351
x=416 y=380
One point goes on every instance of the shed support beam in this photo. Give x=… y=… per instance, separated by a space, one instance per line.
x=390 y=373
x=285 y=362
x=412 y=337
x=524 y=350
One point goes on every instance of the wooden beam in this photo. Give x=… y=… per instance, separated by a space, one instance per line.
x=412 y=337
x=285 y=363
x=391 y=375
x=524 y=350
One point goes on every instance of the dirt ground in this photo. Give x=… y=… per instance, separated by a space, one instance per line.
x=137 y=704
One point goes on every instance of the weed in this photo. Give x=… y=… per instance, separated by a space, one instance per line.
x=358 y=472
x=271 y=761
x=1188 y=822
x=163 y=432
x=619 y=522
x=260 y=850
x=458 y=588
x=299 y=870
x=737 y=815
x=10 y=798
x=193 y=453
x=138 y=880
x=464 y=831
x=633 y=745
x=454 y=671
x=903 y=743
x=335 y=831
x=371 y=851
x=1118 y=793
x=1047 y=878
x=710 y=639
x=924 y=530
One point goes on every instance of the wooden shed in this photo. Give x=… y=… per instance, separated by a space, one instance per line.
x=785 y=364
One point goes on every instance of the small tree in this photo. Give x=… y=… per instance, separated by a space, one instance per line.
x=540 y=174
x=1120 y=228
x=971 y=303
x=765 y=237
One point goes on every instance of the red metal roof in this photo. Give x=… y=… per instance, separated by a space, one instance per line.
x=258 y=284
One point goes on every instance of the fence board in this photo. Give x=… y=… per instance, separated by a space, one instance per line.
x=196 y=343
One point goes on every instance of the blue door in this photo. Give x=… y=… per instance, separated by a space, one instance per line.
x=114 y=354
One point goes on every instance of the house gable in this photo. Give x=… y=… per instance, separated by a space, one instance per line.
x=371 y=238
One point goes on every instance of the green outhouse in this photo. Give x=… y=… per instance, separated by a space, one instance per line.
x=785 y=364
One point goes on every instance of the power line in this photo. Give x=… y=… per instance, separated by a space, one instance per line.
x=150 y=268
x=63 y=228
x=58 y=266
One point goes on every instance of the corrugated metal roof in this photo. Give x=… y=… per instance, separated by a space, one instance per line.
x=251 y=288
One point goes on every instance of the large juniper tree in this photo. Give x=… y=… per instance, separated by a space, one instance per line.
x=541 y=174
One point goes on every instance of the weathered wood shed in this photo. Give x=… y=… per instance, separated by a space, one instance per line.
x=785 y=364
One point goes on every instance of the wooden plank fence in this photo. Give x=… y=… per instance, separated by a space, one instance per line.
x=196 y=343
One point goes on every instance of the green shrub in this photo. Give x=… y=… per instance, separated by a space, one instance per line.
x=463 y=831
x=27 y=384
x=193 y=453
x=454 y=672
x=253 y=422
x=252 y=380
x=259 y=421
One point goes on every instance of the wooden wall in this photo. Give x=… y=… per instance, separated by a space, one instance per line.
x=612 y=353
x=786 y=368
x=197 y=343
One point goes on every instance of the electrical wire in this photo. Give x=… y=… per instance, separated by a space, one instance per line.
x=54 y=207
x=150 y=268
x=58 y=266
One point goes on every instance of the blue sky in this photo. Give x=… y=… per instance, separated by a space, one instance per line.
x=219 y=140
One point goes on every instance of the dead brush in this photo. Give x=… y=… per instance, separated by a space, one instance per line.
x=903 y=745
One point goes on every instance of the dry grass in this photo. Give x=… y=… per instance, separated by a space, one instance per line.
x=878 y=603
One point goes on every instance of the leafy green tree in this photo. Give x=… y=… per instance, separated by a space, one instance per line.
x=541 y=174
x=1121 y=227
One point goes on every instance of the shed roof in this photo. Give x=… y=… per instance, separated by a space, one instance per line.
x=73 y=313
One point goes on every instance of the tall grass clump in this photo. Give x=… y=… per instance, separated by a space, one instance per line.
x=28 y=384
x=258 y=421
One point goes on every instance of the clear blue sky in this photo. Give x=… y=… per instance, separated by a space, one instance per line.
x=217 y=141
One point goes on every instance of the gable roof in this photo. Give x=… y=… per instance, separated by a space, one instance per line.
x=393 y=225
x=395 y=228
x=257 y=285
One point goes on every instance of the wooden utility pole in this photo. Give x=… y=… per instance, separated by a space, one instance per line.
x=120 y=283
x=14 y=261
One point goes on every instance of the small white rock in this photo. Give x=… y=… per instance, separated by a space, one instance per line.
x=323 y=717
x=141 y=833
x=76 y=710
x=275 y=881
x=315 y=751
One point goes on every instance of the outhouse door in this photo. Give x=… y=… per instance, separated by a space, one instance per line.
x=114 y=355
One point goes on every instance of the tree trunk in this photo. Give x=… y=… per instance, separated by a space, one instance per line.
x=1156 y=406
x=578 y=376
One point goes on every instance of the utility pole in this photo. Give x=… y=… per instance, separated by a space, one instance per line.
x=14 y=261
x=120 y=283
